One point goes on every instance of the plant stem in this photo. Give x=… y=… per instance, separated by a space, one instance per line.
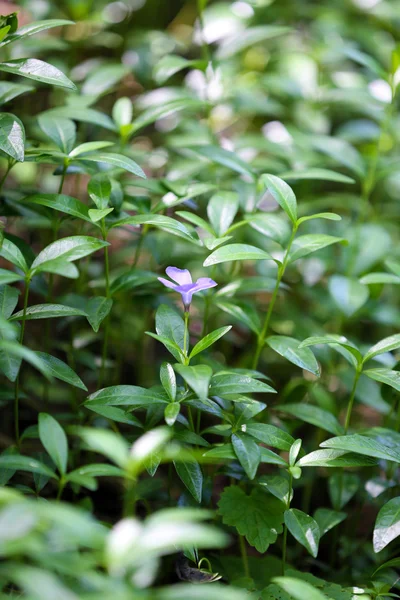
x=107 y=321
x=284 y=544
x=61 y=485
x=16 y=386
x=351 y=401
x=245 y=559
x=186 y=336
x=130 y=497
x=64 y=171
x=281 y=272
x=2 y=180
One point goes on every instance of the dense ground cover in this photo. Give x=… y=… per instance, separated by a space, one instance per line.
x=199 y=300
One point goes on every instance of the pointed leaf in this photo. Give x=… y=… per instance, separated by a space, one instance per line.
x=363 y=445
x=40 y=71
x=60 y=130
x=304 y=529
x=236 y=252
x=53 y=438
x=58 y=369
x=208 y=340
x=12 y=136
x=247 y=452
x=97 y=310
x=190 y=474
x=282 y=193
x=198 y=378
x=288 y=347
x=387 y=526
x=315 y=415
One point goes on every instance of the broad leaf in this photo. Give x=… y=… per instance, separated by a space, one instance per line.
x=12 y=136
x=304 y=529
x=198 y=378
x=236 y=252
x=13 y=254
x=40 y=71
x=33 y=28
x=282 y=193
x=335 y=458
x=61 y=202
x=387 y=526
x=58 y=369
x=363 y=445
x=97 y=310
x=68 y=249
x=54 y=440
x=269 y=435
x=190 y=474
x=208 y=340
x=25 y=463
x=48 y=311
x=127 y=395
x=247 y=452
x=386 y=376
x=116 y=160
x=258 y=517
x=60 y=130
x=221 y=210
x=327 y=519
x=307 y=244
x=386 y=345
x=288 y=347
x=315 y=415
x=223 y=384
x=299 y=589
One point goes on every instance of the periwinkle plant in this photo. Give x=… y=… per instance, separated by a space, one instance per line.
x=262 y=156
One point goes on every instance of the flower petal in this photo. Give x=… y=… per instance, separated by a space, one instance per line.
x=167 y=283
x=181 y=276
x=203 y=283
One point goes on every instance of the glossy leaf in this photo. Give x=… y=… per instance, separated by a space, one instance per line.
x=327 y=519
x=97 y=310
x=209 y=340
x=363 y=445
x=288 y=347
x=304 y=529
x=190 y=474
x=387 y=525
x=315 y=415
x=12 y=136
x=349 y=294
x=236 y=252
x=60 y=370
x=48 y=311
x=60 y=130
x=312 y=242
x=39 y=71
x=247 y=452
x=282 y=193
x=54 y=440
x=198 y=378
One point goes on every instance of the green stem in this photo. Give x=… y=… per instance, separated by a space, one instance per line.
x=130 y=497
x=9 y=167
x=351 y=401
x=61 y=485
x=281 y=272
x=64 y=171
x=16 y=386
x=139 y=246
x=185 y=337
x=284 y=544
x=245 y=559
x=107 y=321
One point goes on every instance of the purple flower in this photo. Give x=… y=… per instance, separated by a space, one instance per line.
x=184 y=284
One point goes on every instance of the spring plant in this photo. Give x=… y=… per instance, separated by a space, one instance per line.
x=200 y=261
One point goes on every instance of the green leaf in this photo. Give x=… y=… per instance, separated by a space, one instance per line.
x=168 y=380
x=11 y=354
x=189 y=472
x=9 y=91
x=270 y=225
x=86 y=115
x=53 y=438
x=127 y=395
x=60 y=130
x=226 y=384
x=12 y=136
x=171 y=413
x=387 y=525
x=312 y=242
x=329 y=216
x=304 y=529
x=294 y=452
x=327 y=519
x=383 y=278
x=258 y=517
x=48 y=311
x=362 y=445
x=170 y=325
x=236 y=252
x=171 y=346
x=282 y=193
x=278 y=486
x=386 y=376
x=116 y=160
x=340 y=151
x=13 y=254
x=40 y=71
x=269 y=435
x=114 y=414
x=122 y=112
x=33 y=28
x=106 y=442
x=198 y=378
x=288 y=347
x=97 y=215
x=247 y=452
x=334 y=341
x=335 y=458
x=88 y=147
x=221 y=210
x=8 y=300
x=243 y=312
x=169 y=65
x=195 y=220
x=342 y=487
x=223 y=157
x=164 y=223
x=97 y=310
x=104 y=78
x=8 y=277
x=299 y=589
x=153 y=113
x=58 y=369
x=25 y=463
x=247 y=38
x=348 y=294
x=386 y=345
x=61 y=202
x=99 y=189
x=314 y=415
x=208 y=340
x=319 y=174
x=68 y=249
